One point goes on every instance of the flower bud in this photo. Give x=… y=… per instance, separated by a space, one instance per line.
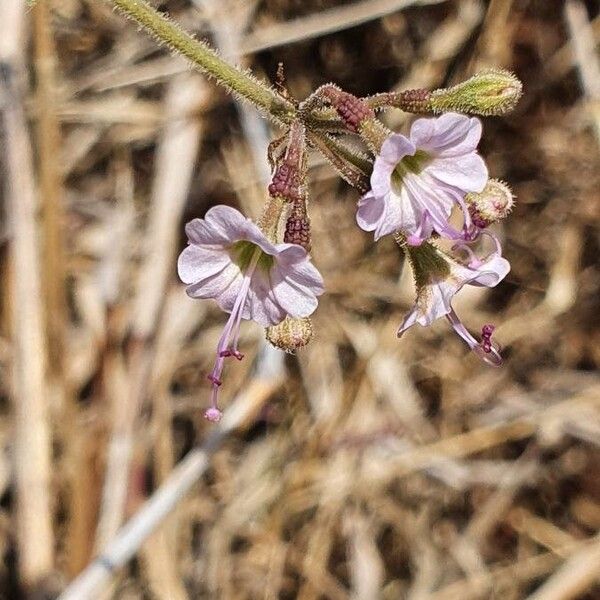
x=291 y=334
x=490 y=205
x=297 y=226
x=352 y=110
x=493 y=92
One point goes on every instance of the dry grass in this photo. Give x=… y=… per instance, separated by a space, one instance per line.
x=364 y=467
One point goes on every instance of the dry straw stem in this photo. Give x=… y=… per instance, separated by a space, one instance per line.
x=483 y=438
x=228 y=22
x=265 y=38
x=48 y=146
x=176 y=157
x=324 y=22
x=575 y=576
x=443 y=45
x=125 y=544
x=586 y=57
x=32 y=436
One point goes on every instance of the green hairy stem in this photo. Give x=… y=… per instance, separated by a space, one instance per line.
x=207 y=60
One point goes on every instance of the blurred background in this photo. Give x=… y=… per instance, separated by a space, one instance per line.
x=364 y=467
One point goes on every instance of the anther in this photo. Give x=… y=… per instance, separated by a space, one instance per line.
x=214 y=380
x=235 y=353
x=486 y=337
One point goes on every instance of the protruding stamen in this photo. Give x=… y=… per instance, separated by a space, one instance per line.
x=214 y=379
x=486 y=337
x=229 y=339
x=486 y=349
x=231 y=352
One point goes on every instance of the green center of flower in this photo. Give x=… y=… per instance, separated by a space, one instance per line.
x=410 y=164
x=242 y=253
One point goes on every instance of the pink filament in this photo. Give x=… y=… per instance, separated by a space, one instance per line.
x=486 y=350
x=228 y=342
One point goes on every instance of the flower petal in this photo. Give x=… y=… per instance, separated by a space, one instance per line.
x=227 y=221
x=399 y=214
x=218 y=286
x=369 y=211
x=197 y=263
x=425 y=194
x=296 y=300
x=290 y=254
x=433 y=302
x=306 y=276
x=395 y=148
x=203 y=233
x=491 y=272
x=264 y=308
x=252 y=233
x=467 y=173
x=448 y=135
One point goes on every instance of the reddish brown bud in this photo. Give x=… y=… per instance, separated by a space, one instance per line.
x=286 y=182
x=352 y=110
x=415 y=101
x=297 y=231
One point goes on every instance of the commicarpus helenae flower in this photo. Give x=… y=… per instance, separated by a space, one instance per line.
x=417 y=180
x=230 y=260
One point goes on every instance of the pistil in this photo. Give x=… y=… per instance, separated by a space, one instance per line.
x=228 y=342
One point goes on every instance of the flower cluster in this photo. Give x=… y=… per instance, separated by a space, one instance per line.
x=263 y=272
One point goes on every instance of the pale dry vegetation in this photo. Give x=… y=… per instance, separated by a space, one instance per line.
x=364 y=467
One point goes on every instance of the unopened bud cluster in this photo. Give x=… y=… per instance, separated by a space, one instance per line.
x=286 y=183
x=491 y=205
x=291 y=334
x=490 y=93
x=297 y=227
x=352 y=111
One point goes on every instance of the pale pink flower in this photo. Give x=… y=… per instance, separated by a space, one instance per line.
x=439 y=278
x=230 y=260
x=416 y=181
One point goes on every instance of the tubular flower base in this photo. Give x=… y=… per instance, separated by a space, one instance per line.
x=416 y=181
x=438 y=279
x=230 y=260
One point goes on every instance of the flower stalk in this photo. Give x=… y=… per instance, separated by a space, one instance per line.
x=237 y=81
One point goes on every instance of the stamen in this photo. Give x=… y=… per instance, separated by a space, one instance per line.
x=216 y=381
x=231 y=332
x=486 y=337
x=235 y=353
x=488 y=351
